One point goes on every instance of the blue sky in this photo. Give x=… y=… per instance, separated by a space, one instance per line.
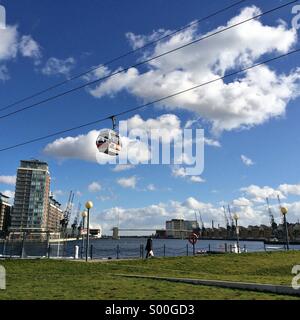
x=52 y=40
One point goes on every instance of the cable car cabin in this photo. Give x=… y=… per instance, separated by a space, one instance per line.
x=109 y=142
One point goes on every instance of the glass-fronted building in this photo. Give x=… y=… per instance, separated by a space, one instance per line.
x=31 y=197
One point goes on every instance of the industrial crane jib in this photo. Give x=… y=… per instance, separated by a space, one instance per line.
x=109 y=141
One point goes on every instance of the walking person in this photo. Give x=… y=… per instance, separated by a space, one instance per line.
x=149 y=248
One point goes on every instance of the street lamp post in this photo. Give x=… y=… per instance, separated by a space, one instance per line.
x=88 y=205
x=84 y=215
x=284 y=212
x=236 y=218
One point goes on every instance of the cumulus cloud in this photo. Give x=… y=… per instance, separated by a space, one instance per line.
x=13 y=44
x=9 y=43
x=151 y=187
x=55 y=66
x=251 y=99
x=8 y=180
x=9 y=193
x=154 y=216
x=94 y=187
x=82 y=147
x=162 y=129
x=123 y=167
x=212 y=142
x=180 y=172
x=58 y=193
x=251 y=208
x=247 y=161
x=259 y=194
x=128 y=182
x=30 y=48
x=241 y=202
x=293 y=189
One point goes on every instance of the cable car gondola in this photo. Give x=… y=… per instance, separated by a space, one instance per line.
x=109 y=141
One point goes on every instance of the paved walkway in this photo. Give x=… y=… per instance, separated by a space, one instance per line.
x=278 y=289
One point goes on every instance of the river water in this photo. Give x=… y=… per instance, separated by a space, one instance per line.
x=131 y=248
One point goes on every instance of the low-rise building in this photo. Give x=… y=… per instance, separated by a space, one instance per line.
x=55 y=215
x=179 y=228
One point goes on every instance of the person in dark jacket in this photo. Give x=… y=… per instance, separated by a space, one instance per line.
x=149 y=248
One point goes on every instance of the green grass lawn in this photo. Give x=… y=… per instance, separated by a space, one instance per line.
x=51 y=279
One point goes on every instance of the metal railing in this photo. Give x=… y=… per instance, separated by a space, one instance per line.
x=29 y=248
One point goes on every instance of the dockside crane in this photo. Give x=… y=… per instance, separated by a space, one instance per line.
x=280 y=206
x=76 y=220
x=201 y=221
x=67 y=214
x=232 y=222
x=271 y=216
x=227 y=225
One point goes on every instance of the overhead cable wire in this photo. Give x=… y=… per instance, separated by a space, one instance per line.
x=150 y=103
x=144 y=61
x=148 y=44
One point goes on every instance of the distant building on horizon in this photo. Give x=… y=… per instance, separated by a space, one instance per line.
x=179 y=228
x=31 y=197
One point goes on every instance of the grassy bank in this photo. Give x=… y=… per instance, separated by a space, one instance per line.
x=43 y=279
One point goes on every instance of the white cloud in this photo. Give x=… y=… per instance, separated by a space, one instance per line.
x=259 y=194
x=56 y=66
x=151 y=187
x=246 y=161
x=180 y=172
x=167 y=126
x=12 y=44
x=9 y=193
x=83 y=147
x=123 y=167
x=8 y=43
x=128 y=182
x=155 y=215
x=197 y=179
x=30 y=48
x=293 y=189
x=78 y=193
x=212 y=142
x=58 y=193
x=138 y=41
x=254 y=98
x=8 y=180
x=94 y=187
x=241 y=202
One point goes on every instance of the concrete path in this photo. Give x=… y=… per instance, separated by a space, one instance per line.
x=278 y=289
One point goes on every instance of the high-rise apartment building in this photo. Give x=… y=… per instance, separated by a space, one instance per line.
x=5 y=211
x=31 y=202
